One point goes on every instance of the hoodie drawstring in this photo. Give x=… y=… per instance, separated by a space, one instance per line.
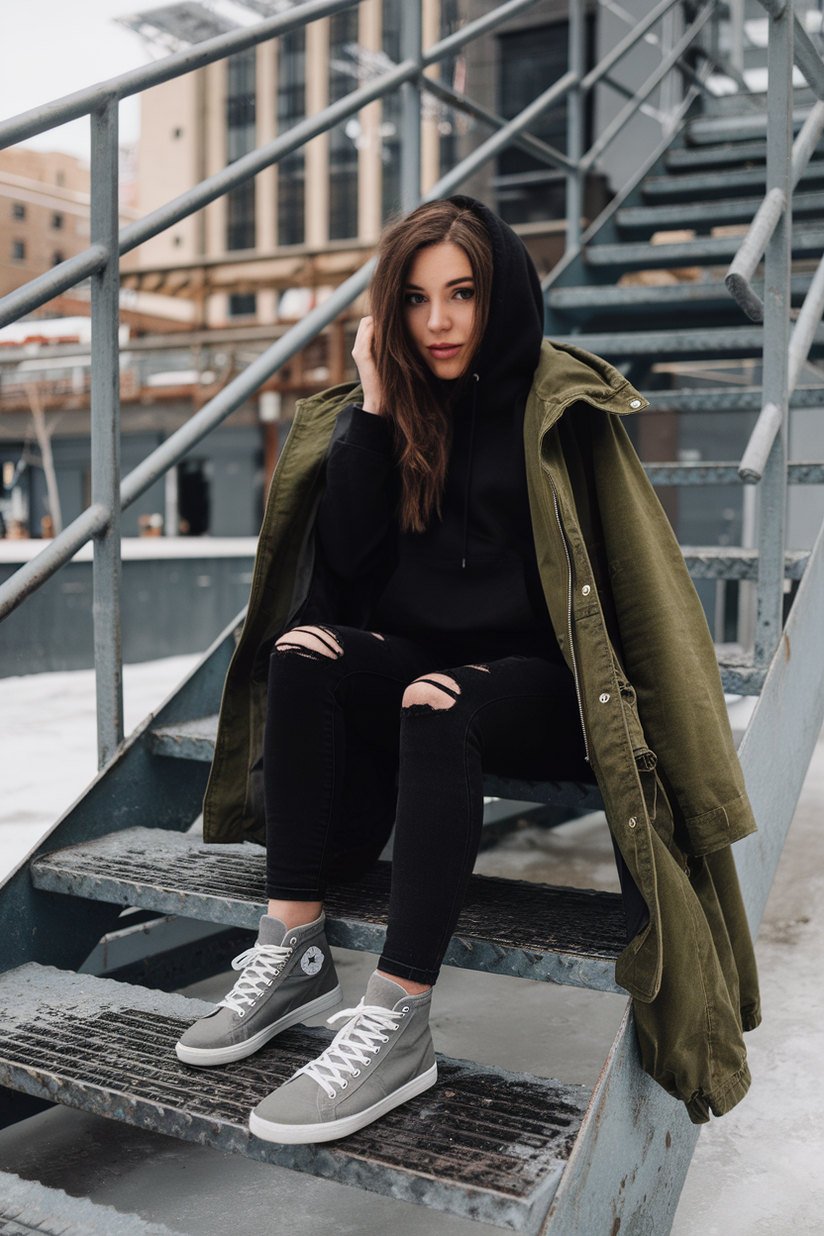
x=469 y=472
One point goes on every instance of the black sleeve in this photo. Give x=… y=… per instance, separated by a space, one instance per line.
x=355 y=512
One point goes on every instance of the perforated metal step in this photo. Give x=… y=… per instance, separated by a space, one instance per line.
x=698 y=252
x=562 y=935
x=483 y=1143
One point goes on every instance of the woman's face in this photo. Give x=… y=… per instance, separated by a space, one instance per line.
x=439 y=308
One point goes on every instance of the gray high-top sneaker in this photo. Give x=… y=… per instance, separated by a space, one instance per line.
x=287 y=977
x=382 y=1057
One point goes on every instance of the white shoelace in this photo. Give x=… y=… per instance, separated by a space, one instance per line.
x=261 y=964
x=355 y=1045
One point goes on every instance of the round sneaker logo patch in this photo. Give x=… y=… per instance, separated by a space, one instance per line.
x=312 y=960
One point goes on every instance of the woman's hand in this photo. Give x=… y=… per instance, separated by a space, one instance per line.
x=364 y=359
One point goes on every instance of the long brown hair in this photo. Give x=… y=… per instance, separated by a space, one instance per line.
x=422 y=422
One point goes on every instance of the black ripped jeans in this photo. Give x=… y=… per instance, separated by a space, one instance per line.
x=338 y=742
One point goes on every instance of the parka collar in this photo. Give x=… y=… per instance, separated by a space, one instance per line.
x=567 y=374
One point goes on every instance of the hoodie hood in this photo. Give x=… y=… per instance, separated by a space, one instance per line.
x=511 y=346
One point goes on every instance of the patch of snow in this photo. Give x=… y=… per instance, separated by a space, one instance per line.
x=48 y=736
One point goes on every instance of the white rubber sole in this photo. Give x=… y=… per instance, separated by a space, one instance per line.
x=205 y=1056
x=330 y=1130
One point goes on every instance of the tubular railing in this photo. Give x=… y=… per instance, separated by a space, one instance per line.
x=100 y=522
x=764 y=461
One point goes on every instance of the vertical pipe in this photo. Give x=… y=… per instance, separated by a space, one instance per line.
x=575 y=125
x=105 y=426
x=737 y=34
x=411 y=33
x=776 y=338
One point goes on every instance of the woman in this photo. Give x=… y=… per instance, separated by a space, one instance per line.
x=463 y=571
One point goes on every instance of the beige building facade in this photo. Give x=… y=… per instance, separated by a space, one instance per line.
x=269 y=250
x=44 y=213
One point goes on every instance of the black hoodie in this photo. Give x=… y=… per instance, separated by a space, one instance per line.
x=468 y=586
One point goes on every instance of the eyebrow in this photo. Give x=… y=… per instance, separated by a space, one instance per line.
x=465 y=279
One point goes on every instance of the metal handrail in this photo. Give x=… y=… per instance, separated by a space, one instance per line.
x=101 y=520
x=84 y=102
x=743 y=266
x=65 y=275
x=655 y=78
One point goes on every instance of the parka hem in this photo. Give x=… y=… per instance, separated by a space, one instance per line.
x=700 y=1106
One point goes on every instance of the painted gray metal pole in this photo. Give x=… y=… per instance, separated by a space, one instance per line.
x=776 y=339
x=105 y=424
x=575 y=125
x=411 y=33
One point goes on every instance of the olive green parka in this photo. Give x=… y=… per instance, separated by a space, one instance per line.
x=632 y=630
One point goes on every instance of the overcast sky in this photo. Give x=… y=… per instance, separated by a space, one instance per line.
x=50 y=48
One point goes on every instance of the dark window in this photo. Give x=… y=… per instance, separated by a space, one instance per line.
x=57 y=221
x=60 y=179
x=18 y=250
x=242 y=304
x=193 y=504
x=18 y=211
x=343 y=153
x=291 y=110
x=177 y=133
x=240 y=140
x=57 y=257
x=529 y=61
x=391 y=114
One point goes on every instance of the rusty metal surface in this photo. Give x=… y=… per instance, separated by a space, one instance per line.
x=28 y=1206
x=483 y=1143
x=564 y=935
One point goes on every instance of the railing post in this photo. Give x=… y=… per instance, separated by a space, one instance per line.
x=575 y=125
x=411 y=34
x=105 y=431
x=776 y=338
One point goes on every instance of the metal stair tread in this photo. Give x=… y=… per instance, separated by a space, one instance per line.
x=687 y=214
x=728 y=399
x=195 y=740
x=676 y=295
x=727 y=179
x=697 y=252
x=540 y=931
x=691 y=341
x=485 y=1143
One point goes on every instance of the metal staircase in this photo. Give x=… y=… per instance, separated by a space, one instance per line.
x=520 y=1152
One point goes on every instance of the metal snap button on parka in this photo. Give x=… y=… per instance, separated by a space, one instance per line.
x=633 y=632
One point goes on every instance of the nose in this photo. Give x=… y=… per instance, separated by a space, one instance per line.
x=439 y=318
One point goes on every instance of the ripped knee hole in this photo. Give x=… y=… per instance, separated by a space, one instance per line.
x=314 y=643
x=436 y=693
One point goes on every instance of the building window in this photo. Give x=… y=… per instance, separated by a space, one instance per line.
x=529 y=61
x=242 y=305
x=60 y=179
x=343 y=153
x=57 y=222
x=57 y=257
x=291 y=110
x=240 y=140
x=391 y=115
x=18 y=211
x=18 y=250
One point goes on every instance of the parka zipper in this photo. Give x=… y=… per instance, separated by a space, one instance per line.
x=569 y=614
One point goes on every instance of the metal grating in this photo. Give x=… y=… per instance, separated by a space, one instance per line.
x=483 y=1143
x=565 y=935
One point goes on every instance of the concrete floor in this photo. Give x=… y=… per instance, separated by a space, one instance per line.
x=756 y=1171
